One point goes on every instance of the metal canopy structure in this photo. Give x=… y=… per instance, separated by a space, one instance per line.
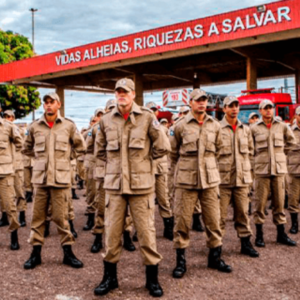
x=250 y=44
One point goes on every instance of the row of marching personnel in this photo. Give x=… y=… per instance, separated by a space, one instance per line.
x=129 y=160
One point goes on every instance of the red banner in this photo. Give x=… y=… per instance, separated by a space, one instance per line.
x=254 y=21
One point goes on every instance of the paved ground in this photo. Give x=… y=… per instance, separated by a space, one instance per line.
x=274 y=275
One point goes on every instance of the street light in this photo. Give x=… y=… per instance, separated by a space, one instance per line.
x=33 y=10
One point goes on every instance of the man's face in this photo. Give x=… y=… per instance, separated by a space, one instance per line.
x=98 y=117
x=298 y=119
x=124 y=98
x=51 y=106
x=198 y=106
x=94 y=121
x=253 y=120
x=9 y=118
x=267 y=112
x=232 y=110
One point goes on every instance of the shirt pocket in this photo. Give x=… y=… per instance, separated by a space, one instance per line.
x=141 y=176
x=226 y=145
x=187 y=171
x=137 y=140
x=224 y=169
x=280 y=160
x=261 y=165
x=261 y=142
x=278 y=140
x=244 y=147
x=62 y=172
x=247 y=177
x=112 y=139
x=40 y=144
x=61 y=143
x=294 y=165
x=210 y=142
x=213 y=175
x=190 y=142
x=38 y=172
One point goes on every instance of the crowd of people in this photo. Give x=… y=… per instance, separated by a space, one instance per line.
x=127 y=160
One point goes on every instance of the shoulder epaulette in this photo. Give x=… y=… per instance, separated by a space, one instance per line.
x=69 y=120
x=146 y=109
x=180 y=119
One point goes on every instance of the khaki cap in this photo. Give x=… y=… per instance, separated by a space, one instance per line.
x=111 y=103
x=151 y=105
x=126 y=84
x=9 y=113
x=252 y=115
x=184 y=109
x=175 y=117
x=99 y=110
x=265 y=103
x=164 y=121
x=51 y=95
x=298 y=110
x=230 y=99
x=197 y=94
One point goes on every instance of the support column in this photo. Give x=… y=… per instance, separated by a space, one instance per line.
x=60 y=91
x=251 y=74
x=297 y=79
x=196 y=83
x=139 y=89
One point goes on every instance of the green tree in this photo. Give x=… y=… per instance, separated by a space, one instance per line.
x=22 y=100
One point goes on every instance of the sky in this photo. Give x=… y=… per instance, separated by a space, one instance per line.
x=63 y=24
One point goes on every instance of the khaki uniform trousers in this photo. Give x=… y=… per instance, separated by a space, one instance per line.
x=240 y=209
x=7 y=196
x=142 y=209
x=19 y=189
x=294 y=194
x=90 y=191
x=73 y=177
x=99 y=217
x=27 y=179
x=59 y=199
x=263 y=186
x=81 y=170
x=185 y=201
x=162 y=195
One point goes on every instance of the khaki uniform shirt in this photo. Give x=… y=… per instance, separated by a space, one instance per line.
x=294 y=154
x=270 y=146
x=161 y=164
x=196 y=149
x=52 y=148
x=10 y=140
x=234 y=162
x=18 y=157
x=128 y=149
x=89 y=158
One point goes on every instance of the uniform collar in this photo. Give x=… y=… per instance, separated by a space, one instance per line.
x=224 y=123
x=189 y=117
x=58 y=119
x=261 y=121
x=135 y=109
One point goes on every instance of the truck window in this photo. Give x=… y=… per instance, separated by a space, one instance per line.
x=284 y=113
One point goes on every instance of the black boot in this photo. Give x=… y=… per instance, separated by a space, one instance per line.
x=282 y=237
x=28 y=197
x=35 y=258
x=294 y=219
x=72 y=229
x=286 y=201
x=109 y=281
x=47 y=229
x=90 y=222
x=180 y=268
x=4 y=220
x=215 y=261
x=14 y=245
x=127 y=244
x=22 y=219
x=135 y=237
x=168 y=230
x=97 y=246
x=70 y=259
x=259 y=240
x=249 y=209
x=197 y=226
x=247 y=248
x=80 y=184
x=152 y=283
x=74 y=196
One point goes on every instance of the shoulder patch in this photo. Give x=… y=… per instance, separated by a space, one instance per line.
x=155 y=124
x=172 y=132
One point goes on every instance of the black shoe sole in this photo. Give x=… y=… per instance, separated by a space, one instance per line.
x=32 y=267
x=106 y=292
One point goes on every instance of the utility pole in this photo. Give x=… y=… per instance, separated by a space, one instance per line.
x=33 y=10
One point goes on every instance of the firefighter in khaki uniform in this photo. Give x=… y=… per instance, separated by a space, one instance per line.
x=98 y=229
x=235 y=173
x=294 y=175
x=128 y=139
x=271 y=138
x=51 y=139
x=161 y=185
x=196 y=143
x=9 y=135
x=19 y=173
